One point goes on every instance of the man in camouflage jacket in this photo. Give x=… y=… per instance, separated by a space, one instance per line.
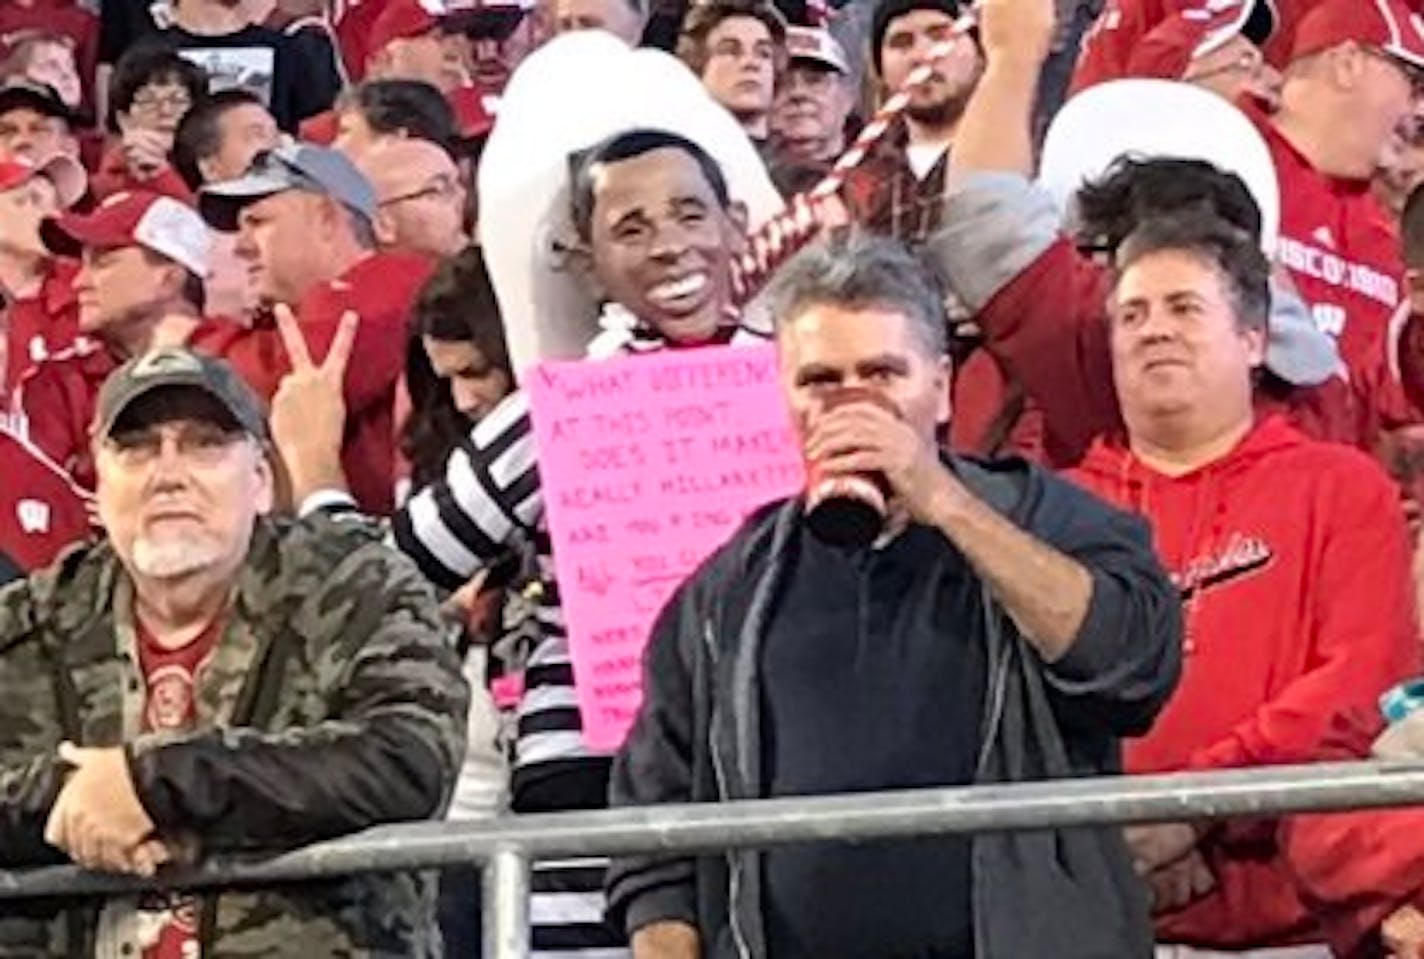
x=329 y=700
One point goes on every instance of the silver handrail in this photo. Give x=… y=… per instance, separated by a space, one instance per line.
x=509 y=844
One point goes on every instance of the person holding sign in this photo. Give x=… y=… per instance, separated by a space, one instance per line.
x=1000 y=625
x=654 y=224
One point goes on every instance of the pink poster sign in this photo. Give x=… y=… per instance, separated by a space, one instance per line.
x=648 y=464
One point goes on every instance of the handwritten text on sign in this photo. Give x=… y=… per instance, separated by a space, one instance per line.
x=648 y=464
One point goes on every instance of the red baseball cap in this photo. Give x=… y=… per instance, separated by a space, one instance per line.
x=159 y=223
x=1389 y=25
x=1167 y=50
x=402 y=20
x=68 y=177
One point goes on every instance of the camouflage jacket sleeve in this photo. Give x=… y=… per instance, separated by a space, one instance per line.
x=30 y=775
x=387 y=748
x=27 y=793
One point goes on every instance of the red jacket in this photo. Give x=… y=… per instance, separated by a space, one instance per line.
x=1047 y=329
x=41 y=511
x=1293 y=562
x=42 y=325
x=381 y=289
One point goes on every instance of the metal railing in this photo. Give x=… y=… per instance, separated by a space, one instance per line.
x=508 y=845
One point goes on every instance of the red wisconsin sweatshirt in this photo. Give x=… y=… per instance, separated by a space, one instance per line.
x=1292 y=560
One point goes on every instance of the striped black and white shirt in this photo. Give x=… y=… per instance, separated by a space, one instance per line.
x=487 y=506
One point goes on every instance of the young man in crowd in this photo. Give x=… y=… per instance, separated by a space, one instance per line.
x=738 y=49
x=898 y=191
x=149 y=94
x=248 y=683
x=42 y=312
x=34 y=123
x=420 y=200
x=220 y=37
x=305 y=223
x=813 y=103
x=143 y=258
x=1004 y=626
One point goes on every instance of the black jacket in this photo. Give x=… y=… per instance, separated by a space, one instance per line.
x=1067 y=893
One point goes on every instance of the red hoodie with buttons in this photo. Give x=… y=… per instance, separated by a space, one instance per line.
x=1293 y=563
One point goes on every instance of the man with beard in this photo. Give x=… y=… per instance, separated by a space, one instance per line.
x=247 y=683
x=898 y=191
x=737 y=48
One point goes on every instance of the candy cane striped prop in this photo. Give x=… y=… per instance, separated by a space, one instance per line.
x=781 y=237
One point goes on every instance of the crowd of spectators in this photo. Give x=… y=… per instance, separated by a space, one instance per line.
x=1150 y=463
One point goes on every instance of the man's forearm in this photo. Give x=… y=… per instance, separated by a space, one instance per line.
x=669 y=939
x=1045 y=592
x=995 y=134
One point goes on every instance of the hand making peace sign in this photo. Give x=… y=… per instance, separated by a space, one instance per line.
x=308 y=416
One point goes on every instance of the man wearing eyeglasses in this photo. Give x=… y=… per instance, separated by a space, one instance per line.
x=420 y=199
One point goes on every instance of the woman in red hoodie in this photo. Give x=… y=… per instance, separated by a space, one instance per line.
x=1290 y=555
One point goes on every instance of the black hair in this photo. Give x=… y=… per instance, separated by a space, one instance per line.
x=1411 y=229
x=457 y=304
x=1234 y=252
x=627 y=146
x=194 y=291
x=143 y=66
x=1134 y=188
x=411 y=106
x=199 y=133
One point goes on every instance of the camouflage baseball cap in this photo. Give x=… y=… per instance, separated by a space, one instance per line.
x=178 y=367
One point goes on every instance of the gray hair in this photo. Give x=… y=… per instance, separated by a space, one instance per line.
x=861 y=271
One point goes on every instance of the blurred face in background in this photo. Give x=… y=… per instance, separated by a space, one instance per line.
x=809 y=116
x=51 y=62
x=158 y=106
x=21 y=211
x=28 y=134
x=907 y=44
x=621 y=18
x=740 y=69
x=244 y=131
